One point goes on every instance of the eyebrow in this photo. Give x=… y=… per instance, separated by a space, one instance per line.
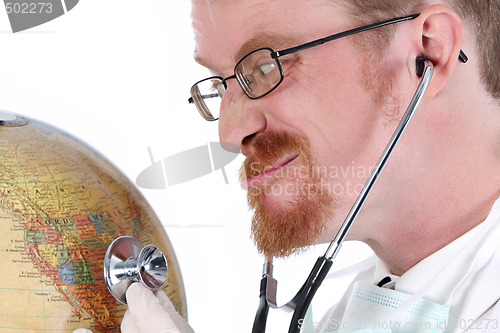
x=259 y=40
x=263 y=39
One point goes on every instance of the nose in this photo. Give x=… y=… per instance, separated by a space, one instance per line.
x=239 y=121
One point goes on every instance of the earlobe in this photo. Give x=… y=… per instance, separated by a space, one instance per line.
x=441 y=33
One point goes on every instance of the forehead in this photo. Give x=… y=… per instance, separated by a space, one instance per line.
x=226 y=30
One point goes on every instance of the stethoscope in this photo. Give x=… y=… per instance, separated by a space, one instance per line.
x=301 y=301
x=128 y=261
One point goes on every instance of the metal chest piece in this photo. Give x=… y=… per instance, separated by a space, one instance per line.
x=128 y=261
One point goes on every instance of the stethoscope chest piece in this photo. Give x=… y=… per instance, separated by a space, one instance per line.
x=128 y=261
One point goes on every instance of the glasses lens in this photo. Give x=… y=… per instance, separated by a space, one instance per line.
x=207 y=95
x=258 y=73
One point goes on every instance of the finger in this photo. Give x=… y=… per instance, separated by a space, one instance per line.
x=179 y=321
x=147 y=311
x=128 y=324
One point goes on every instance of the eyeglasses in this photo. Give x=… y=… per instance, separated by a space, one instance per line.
x=260 y=72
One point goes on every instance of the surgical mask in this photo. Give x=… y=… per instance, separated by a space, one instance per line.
x=372 y=309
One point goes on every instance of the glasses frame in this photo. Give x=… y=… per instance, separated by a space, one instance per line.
x=277 y=54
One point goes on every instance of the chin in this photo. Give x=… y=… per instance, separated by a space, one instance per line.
x=286 y=222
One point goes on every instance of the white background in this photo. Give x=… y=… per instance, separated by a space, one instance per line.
x=116 y=74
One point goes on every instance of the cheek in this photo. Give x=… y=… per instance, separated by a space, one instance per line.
x=336 y=115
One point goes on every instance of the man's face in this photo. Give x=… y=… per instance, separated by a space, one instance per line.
x=310 y=144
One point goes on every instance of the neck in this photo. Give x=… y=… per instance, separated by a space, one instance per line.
x=453 y=181
x=420 y=238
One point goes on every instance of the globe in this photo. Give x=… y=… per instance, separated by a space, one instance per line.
x=61 y=205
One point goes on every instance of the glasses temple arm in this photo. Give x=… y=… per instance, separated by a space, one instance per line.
x=320 y=41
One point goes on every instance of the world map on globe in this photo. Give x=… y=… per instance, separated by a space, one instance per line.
x=61 y=206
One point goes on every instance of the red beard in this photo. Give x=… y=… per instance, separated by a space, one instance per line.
x=282 y=229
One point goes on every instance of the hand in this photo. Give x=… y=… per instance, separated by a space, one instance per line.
x=151 y=313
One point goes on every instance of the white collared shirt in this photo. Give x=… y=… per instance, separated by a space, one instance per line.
x=465 y=274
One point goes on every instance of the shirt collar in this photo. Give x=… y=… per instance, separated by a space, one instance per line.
x=449 y=264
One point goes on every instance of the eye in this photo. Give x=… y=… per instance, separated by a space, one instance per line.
x=267 y=68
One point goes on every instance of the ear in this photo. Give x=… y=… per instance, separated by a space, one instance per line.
x=438 y=36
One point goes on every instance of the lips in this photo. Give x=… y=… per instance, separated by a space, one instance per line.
x=269 y=173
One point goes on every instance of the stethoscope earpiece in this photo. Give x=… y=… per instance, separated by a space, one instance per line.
x=421 y=65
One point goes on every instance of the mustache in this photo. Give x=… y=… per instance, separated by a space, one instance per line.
x=269 y=147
